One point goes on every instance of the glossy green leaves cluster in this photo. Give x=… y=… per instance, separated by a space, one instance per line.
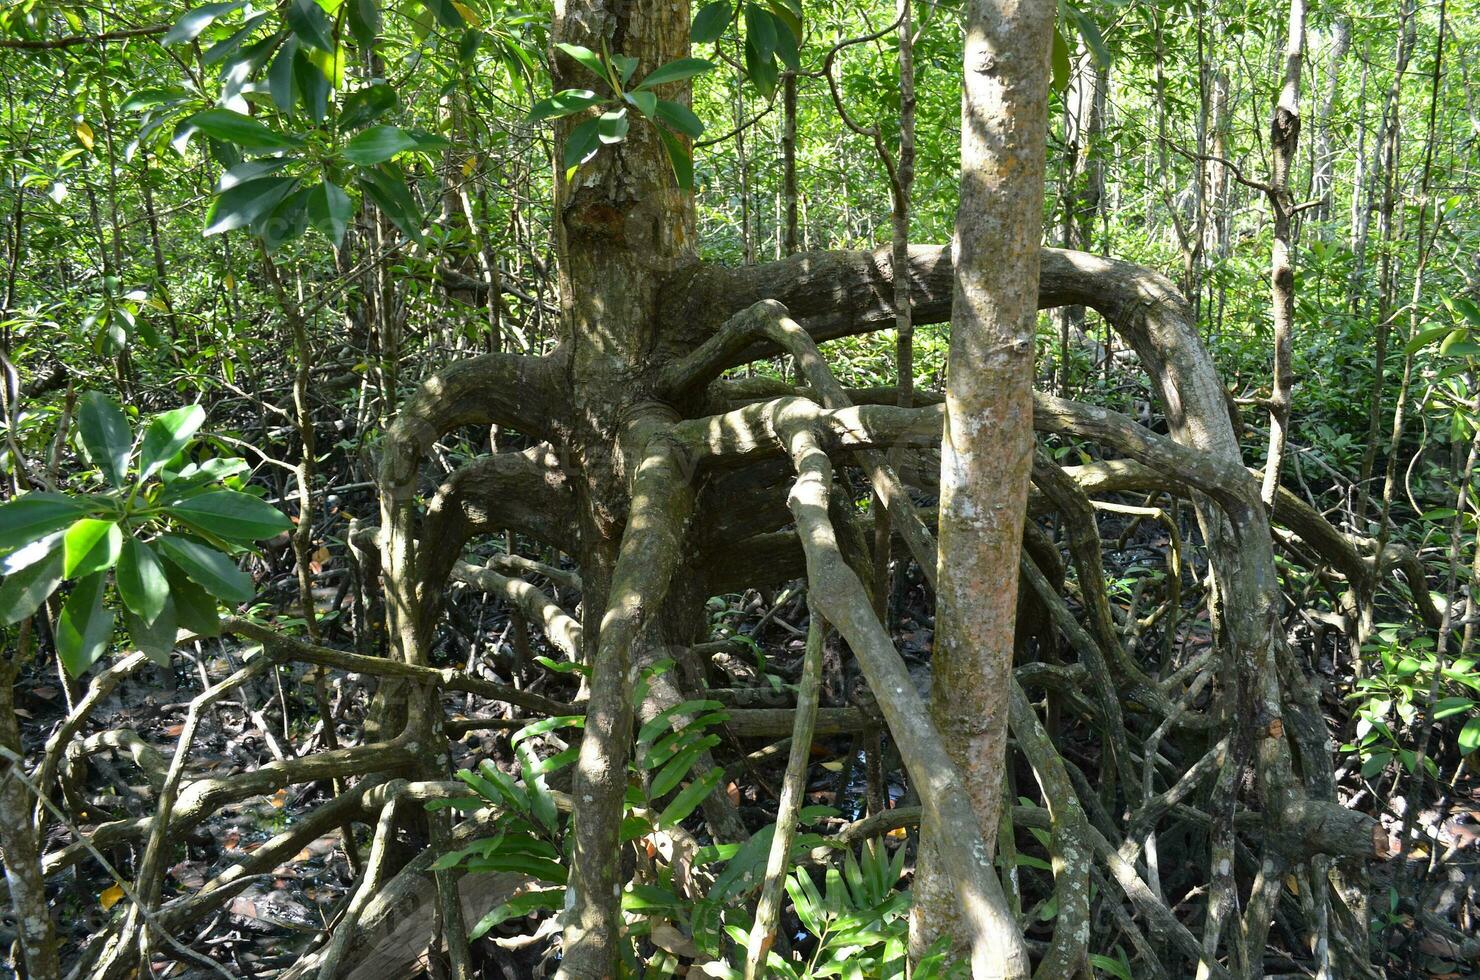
x=609 y=114
x=773 y=36
x=162 y=528
x=291 y=163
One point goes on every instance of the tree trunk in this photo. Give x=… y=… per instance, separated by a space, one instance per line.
x=622 y=228
x=986 y=455
x=1284 y=135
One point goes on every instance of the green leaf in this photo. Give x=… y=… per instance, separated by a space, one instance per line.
x=547 y=899
x=711 y=21
x=663 y=720
x=91 y=545
x=22 y=593
x=1464 y=307
x=547 y=725
x=649 y=898
x=678 y=156
x=35 y=515
x=760 y=30
x=386 y=186
x=195 y=609
x=150 y=97
x=612 y=126
x=309 y=22
x=241 y=131
x=251 y=170
x=1469 y=736
x=30 y=553
x=366 y=105
x=1111 y=966
x=1060 y=61
x=225 y=49
x=286 y=222
x=760 y=66
x=190 y=24
x=786 y=47
x=208 y=568
x=280 y=83
x=541 y=803
x=1448 y=707
x=687 y=801
x=563 y=666
x=540 y=868
x=229 y=514
x=312 y=85
x=446 y=13
x=468 y=47
x=84 y=627
x=500 y=783
x=235 y=72
x=141 y=581
x=247 y=203
x=377 y=145
x=581 y=145
x=558 y=761
x=364 y=21
x=167 y=434
x=678 y=767
x=588 y=59
x=1093 y=39
x=681 y=118
x=330 y=210
x=625 y=65
x=1424 y=338
x=646 y=102
x=675 y=71
x=156 y=637
x=452 y=859
x=105 y=435
x=809 y=912
x=566 y=102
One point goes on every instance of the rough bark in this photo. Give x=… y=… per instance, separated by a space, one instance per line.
x=994 y=945
x=986 y=454
x=1284 y=136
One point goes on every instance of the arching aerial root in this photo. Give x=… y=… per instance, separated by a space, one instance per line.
x=1271 y=707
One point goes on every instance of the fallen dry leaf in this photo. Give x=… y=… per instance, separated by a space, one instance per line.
x=665 y=936
x=111 y=896
x=188 y=874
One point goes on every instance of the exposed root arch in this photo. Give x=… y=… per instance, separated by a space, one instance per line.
x=829 y=295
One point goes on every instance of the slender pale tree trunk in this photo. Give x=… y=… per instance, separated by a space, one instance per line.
x=1219 y=190
x=1323 y=163
x=1387 y=149
x=901 y=172
x=987 y=453
x=789 y=163
x=1083 y=185
x=1284 y=136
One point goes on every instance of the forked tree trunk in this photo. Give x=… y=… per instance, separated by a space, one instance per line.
x=622 y=228
x=987 y=451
